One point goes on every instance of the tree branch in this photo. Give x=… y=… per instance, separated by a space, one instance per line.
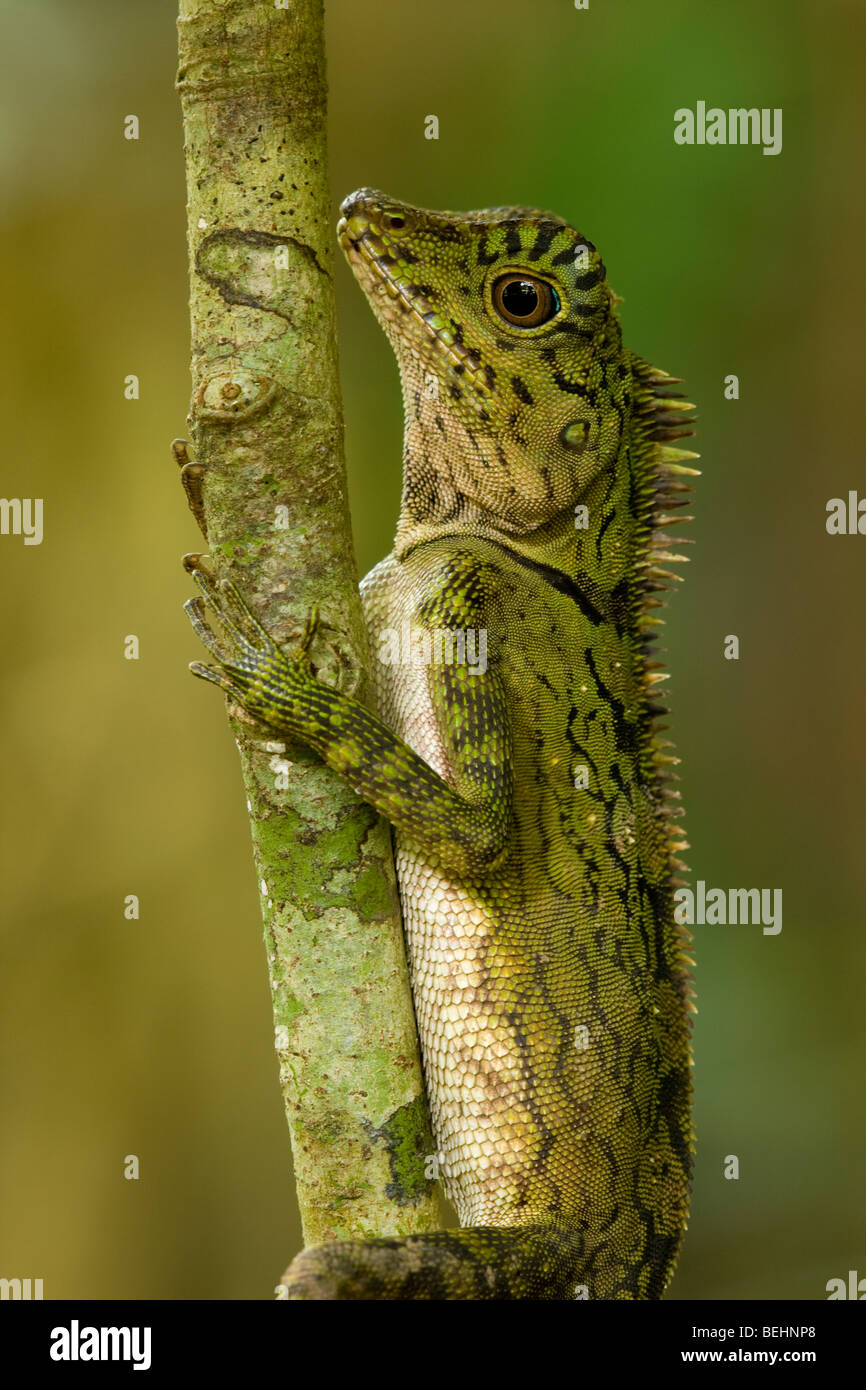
x=267 y=428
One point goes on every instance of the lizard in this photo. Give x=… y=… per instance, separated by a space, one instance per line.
x=529 y=789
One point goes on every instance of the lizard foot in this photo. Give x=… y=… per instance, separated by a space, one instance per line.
x=250 y=667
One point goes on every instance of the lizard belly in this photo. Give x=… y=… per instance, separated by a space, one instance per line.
x=479 y=1087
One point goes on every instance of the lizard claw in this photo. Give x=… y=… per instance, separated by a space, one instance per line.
x=220 y=678
x=250 y=666
x=235 y=618
x=311 y=627
x=195 y=611
x=191 y=475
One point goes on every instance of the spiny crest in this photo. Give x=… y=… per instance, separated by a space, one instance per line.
x=664 y=486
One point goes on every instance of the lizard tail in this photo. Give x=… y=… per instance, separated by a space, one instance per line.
x=535 y=1262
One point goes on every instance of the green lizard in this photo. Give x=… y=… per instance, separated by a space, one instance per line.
x=516 y=753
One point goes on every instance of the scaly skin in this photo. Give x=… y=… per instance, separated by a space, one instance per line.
x=534 y=827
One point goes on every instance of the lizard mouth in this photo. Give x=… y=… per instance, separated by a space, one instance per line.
x=370 y=231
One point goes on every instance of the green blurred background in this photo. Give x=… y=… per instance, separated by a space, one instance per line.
x=155 y=1037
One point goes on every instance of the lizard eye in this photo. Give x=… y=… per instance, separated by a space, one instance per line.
x=524 y=301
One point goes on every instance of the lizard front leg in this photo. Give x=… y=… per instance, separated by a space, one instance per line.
x=464 y=827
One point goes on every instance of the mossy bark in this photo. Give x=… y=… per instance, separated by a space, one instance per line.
x=266 y=425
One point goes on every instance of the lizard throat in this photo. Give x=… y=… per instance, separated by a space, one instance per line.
x=378 y=268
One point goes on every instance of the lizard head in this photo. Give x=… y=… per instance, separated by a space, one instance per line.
x=510 y=355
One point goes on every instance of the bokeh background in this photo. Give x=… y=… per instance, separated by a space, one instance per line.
x=154 y=1037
